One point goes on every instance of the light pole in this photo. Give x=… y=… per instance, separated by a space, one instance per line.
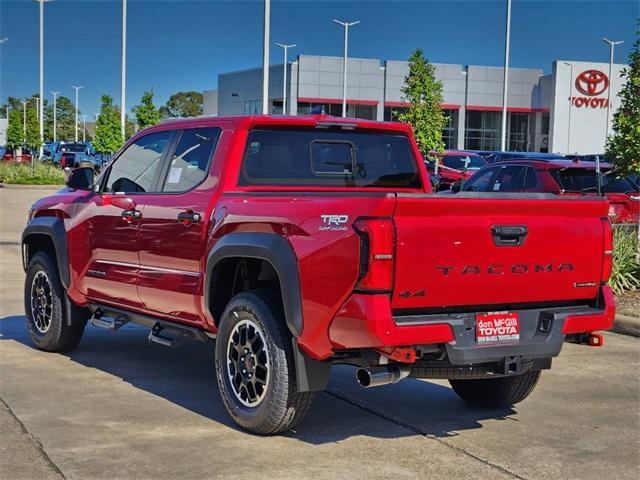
x=284 y=82
x=570 y=105
x=41 y=110
x=24 y=120
x=346 y=26
x=84 y=128
x=123 y=79
x=265 y=57
x=3 y=39
x=55 y=115
x=505 y=80
x=612 y=44
x=76 y=129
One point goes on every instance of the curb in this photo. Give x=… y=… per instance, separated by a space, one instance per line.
x=12 y=186
x=627 y=325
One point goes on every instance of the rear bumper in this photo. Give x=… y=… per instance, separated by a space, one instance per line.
x=366 y=322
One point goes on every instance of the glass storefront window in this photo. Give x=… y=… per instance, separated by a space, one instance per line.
x=450 y=132
x=482 y=130
x=518 y=132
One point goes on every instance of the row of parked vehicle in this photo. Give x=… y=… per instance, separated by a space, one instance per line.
x=509 y=172
x=62 y=154
x=73 y=155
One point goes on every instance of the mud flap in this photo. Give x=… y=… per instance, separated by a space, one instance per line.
x=311 y=375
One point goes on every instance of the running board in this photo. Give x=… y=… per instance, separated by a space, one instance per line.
x=110 y=323
x=163 y=332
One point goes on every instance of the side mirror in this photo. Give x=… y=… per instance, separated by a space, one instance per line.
x=80 y=178
x=456 y=187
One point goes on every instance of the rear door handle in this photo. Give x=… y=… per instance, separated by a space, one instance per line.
x=189 y=217
x=131 y=215
x=509 y=235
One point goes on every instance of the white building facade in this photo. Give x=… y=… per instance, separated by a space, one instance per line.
x=541 y=116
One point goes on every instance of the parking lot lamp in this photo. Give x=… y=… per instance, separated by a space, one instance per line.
x=76 y=129
x=123 y=79
x=570 y=104
x=505 y=80
x=346 y=26
x=284 y=82
x=265 y=57
x=612 y=44
x=41 y=110
x=84 y=128
x=55 y=115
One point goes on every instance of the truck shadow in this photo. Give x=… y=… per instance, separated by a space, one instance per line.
x=185 y=376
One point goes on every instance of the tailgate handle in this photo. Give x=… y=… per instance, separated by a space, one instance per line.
x=508 y=235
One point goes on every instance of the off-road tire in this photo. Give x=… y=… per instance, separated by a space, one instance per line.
x=282 y=406
x=496 y=392
x=58 y=337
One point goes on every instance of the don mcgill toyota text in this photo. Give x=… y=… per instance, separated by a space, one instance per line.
x=298 y=243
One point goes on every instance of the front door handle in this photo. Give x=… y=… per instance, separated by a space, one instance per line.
x=189 y=217
x=131 y=215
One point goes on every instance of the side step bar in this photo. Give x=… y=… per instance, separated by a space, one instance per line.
x=163 y=332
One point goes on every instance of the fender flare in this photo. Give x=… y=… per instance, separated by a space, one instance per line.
x=264 y=246
x=311 y=375
x=52 y=227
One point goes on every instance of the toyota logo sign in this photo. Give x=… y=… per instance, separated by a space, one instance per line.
x=592 y=82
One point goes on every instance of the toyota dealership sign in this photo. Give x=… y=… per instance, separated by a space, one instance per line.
x=591 y=84
x=578 y=105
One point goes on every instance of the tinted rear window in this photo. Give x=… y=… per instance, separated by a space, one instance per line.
x=462 y=162
x=584 y=180
x=73 y=147
x=328 y=158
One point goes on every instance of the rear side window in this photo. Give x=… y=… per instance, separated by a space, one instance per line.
x=327 y=158
x=510 y=179
x=190 y=162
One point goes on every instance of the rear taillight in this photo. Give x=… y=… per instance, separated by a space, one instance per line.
x=377 y=246
x=607 y=262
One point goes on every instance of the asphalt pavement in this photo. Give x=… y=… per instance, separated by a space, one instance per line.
x=119 y=407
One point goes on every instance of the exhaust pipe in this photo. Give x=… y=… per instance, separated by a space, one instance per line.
x=377 y=376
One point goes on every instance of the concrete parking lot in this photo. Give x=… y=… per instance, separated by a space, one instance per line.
x=120 y=407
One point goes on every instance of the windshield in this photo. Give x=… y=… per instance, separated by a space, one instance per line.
x=72 y=147
x=584 y=180
x=462 y=162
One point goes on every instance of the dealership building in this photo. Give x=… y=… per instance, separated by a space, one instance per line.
x=564 y=111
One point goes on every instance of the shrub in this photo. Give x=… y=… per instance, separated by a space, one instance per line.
x=626 y=260
x=20 y=174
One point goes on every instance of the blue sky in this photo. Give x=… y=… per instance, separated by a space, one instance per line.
x=183 y=45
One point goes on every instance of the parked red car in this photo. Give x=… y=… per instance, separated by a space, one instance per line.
x=10 y=156
x=453 y=166
x=560 y=177
x=308 y=241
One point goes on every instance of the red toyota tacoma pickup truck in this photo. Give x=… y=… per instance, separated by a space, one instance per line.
x=303 y=242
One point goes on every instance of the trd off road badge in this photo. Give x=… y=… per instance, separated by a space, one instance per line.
x=334 y=222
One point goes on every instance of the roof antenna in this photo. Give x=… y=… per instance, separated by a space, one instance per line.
x=318 y=110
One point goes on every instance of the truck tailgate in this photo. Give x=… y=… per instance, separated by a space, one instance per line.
x=480 y=250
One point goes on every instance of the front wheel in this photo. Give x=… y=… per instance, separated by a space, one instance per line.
x=255 y=365
x=45 y=309
x=496 y=392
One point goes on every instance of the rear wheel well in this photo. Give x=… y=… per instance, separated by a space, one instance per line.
x=235 y=275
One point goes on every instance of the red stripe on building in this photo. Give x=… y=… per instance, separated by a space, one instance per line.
x=445 y=106
x=336 y=101
x=487 y=108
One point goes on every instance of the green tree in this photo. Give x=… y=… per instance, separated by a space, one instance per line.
x=33 y=129
x=183 y=104
x=146 y=113
x=623 y=147
x=65 y=119
x=14 y=129
x=108 y=137
x=424 y=94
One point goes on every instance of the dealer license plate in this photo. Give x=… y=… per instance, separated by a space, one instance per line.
x=497 y=327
